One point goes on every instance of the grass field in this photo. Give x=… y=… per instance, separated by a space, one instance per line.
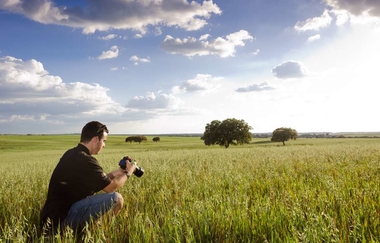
x=311 y=190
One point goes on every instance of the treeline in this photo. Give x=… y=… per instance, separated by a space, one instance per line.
x=139 y=139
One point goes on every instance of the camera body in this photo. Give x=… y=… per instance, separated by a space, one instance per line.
x=123 y=164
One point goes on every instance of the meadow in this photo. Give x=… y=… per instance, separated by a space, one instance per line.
x=311 y=190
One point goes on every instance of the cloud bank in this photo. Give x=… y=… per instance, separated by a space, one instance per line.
x=115 y=14
x=357 y=7
x=27 y=89
x=30 y=94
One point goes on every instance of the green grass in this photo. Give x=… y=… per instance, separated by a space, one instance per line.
x=311 y=190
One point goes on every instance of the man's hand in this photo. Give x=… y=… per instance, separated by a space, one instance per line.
x=130 y=167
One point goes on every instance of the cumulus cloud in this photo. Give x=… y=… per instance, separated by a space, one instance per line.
x=255 y=88
x=138 y=60
x=202 y=82
x=314 y=23
x=223 y=47
x=290 y=69
x=116 y=14
x=18 y=75
x=314 y=38
x=153 y=101
x=356 y=7
x=204 y=37
x=111 y=53
x=108 y=37
x=28 y=90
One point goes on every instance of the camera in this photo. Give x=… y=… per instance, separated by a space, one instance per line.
x=138 y=172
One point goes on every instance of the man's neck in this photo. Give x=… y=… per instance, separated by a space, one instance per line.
x=87 y=145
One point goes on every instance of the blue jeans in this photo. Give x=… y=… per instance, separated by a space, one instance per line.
x=90 y=208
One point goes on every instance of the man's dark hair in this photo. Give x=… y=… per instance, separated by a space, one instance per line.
x=91 y=130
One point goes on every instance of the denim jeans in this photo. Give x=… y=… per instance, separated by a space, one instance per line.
x=90 y=208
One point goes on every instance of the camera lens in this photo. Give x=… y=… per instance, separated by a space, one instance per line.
x=139 y=171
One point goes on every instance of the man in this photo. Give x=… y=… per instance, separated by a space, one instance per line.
x=76 y=178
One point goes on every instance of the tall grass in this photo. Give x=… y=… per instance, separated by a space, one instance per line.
x=307 y=191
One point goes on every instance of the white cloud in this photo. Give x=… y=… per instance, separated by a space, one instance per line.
x=43 y=11
x=290 y=69
x=111 y=53
x=115 y=14
x=108 y=37
x=153 y=102
x=223 y=47
x=204 y=37
x=138 y=60
x=361 y=12
x=202 y=82
x=255 y=87
x=314 y=23
x=27 y=90
x=16 y=74
x=314 y=38
x=342 y=16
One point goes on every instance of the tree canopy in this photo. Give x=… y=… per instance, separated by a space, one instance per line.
x=283 y=134
x=137 y=139
x=229 y=131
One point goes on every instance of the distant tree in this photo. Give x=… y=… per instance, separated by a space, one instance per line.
x=211 y=134
x=229 y=131
x=137 y=139
x=283 y=134
x=156 y=139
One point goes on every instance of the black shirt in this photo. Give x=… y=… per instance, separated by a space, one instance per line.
x=76 y=176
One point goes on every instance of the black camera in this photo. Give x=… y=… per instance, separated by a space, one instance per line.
x=123 y=164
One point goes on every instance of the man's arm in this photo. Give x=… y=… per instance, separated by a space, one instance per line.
x=119 y=177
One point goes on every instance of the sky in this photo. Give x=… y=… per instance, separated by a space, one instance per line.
x=173 y=66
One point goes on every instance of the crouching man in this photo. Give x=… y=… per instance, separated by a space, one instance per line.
x=76 y=178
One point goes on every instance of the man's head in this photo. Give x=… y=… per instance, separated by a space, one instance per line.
x=94 y=135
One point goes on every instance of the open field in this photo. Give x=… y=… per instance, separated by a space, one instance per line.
x=311 y=190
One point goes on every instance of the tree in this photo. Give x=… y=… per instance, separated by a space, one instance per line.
x=283 y=134
x=137 y=139
x=229 y=131
x=156 y=139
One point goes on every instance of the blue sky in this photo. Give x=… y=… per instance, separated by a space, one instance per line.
x=172 y=66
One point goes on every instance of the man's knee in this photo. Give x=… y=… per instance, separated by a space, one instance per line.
x=120 y=199
x=118 y=203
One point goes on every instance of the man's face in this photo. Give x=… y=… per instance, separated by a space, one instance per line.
x=99 y=143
